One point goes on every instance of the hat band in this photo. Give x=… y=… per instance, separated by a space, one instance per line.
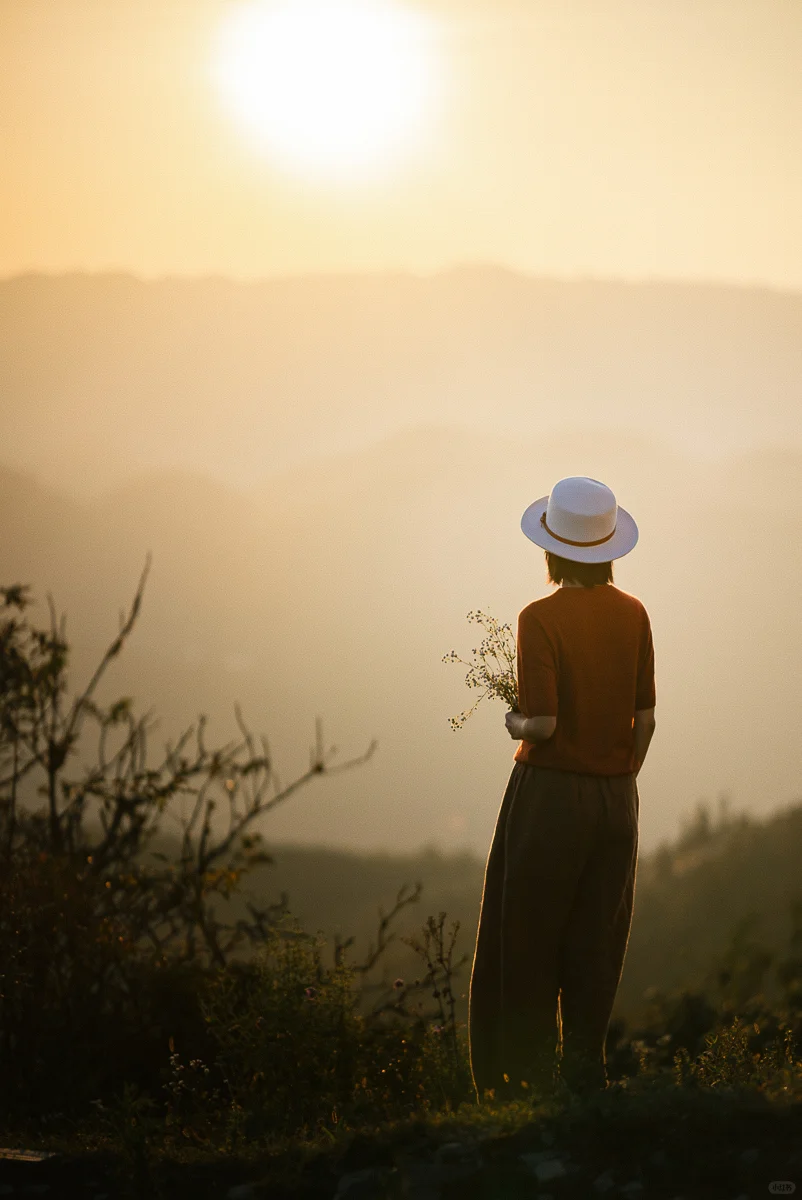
x=568 y=542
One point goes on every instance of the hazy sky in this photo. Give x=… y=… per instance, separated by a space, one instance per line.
x=633 y=138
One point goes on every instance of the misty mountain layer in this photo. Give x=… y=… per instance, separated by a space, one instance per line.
x=330 y=474
x=104 y=374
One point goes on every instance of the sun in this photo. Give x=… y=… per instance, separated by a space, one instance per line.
x=329 y=88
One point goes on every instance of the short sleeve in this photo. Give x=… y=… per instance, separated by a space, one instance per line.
x=644 y=692
x=537 y=669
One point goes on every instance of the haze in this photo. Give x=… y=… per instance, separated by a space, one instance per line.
x=192 y=419
x=323 y=406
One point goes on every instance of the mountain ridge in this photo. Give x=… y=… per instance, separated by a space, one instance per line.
x=459 y=270
x=104 y=375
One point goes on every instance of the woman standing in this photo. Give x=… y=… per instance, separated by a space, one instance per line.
x=560 y=877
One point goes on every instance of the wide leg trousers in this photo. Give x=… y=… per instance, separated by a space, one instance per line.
x=553 y=930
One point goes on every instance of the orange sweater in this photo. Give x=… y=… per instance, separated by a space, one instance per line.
x=586 y=657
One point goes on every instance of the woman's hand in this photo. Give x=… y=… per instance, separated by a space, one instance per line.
x=515 y=722
x=529 y=729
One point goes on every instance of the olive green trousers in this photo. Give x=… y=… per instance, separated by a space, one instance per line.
x=553 y=931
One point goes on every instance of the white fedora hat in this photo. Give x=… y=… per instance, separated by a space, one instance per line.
x=580 y=521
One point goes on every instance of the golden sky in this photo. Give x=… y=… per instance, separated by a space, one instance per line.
x=629 y=138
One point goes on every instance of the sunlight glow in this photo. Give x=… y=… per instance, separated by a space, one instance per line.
x=329 y=88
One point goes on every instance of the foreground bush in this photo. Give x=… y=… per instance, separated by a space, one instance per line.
x=291 y=1053
x=102 y=955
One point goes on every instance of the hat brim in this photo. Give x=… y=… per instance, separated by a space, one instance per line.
x=623 y=540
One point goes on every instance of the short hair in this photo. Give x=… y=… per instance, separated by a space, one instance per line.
x=588 y=574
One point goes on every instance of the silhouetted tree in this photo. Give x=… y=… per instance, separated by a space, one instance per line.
x=83 y=919
x=40 y=734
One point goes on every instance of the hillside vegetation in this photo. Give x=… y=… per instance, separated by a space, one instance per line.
x=727 y=884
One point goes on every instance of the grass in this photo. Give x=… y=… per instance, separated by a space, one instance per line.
x=652 y=1128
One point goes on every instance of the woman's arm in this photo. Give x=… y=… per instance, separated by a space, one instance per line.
x=539 y=729
x=644 y=725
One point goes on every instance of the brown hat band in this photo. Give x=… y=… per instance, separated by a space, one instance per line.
x=568 y=542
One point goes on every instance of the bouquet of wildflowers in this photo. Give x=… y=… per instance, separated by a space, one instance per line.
x=493 y=667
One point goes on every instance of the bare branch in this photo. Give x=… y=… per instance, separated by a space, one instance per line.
x=74 y=720
x=384 y=922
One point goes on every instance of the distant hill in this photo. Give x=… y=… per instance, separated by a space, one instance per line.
x=336 y=587
x=105 y=375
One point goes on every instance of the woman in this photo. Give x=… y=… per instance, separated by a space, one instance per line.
x=560 y=877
